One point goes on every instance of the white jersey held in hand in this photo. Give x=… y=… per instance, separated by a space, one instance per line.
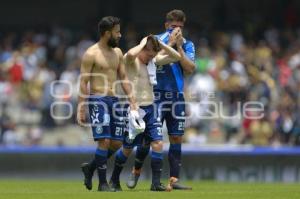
x=136 y=124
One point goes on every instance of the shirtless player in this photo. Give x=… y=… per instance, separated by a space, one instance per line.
x=140 y=64
x=102 y=64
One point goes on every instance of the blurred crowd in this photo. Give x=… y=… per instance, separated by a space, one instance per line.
x=231 y=70
x=240 y=71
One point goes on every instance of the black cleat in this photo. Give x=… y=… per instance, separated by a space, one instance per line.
x=115 y=185
x=158 y=187
x=178 y=186
x=88 y=175
x=132 y=180
x=105 y=188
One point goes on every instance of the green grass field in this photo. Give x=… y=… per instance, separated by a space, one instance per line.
x=62 y=189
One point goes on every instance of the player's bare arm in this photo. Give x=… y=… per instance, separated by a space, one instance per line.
x=86 y=68
x=132 y=54
x=170 y=55
x=126 y=85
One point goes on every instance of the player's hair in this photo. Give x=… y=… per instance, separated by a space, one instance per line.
x=155 y=43
x=107 y=24
x=175 y=15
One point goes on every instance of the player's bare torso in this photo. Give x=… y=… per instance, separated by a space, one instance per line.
x=104 y=70
x=138 y=75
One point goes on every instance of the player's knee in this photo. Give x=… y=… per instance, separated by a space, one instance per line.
x=115 y=145
x=157 y=145
x=175 y=139
x=127 y=152
x=103 y=143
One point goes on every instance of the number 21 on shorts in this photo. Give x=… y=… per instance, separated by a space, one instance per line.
x=181 y=126
x=119 y=131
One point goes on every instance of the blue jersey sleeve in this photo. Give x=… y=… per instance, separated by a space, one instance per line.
x=189 y=50
x=164 y=37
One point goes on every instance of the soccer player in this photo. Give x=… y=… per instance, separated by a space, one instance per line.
x=101 y=64
x=169 y=90
x=140 y=62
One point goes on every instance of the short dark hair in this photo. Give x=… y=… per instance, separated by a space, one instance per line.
x=155 y=43
x=107 y=24
x=175 y=15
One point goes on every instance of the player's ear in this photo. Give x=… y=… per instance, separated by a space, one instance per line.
x=107 y=33
x=166 y=25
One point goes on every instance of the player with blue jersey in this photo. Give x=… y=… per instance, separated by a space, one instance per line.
x=170 y=98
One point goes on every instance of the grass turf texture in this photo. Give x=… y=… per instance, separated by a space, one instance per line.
x=67 y=189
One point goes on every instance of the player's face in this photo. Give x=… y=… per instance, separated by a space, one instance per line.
x=115 y=36
x=174 y=24
x=148 y=53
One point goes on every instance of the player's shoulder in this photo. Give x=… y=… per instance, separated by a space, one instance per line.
x=188 y=43
x=90 y=52
x=118 y=51
x=93 y=47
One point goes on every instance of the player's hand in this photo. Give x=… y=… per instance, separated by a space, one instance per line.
x=179 y=41
x=134 y=106
x=173 y=36
x=179 y=38
x=81 y=117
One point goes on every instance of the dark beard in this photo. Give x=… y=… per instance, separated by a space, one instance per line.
x=112 y=42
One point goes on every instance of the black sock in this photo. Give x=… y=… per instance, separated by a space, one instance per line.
x=119 y=163
x=92 y=166
x=156 y=166
x=140 y=156
x=174 y=156
x=101 y=160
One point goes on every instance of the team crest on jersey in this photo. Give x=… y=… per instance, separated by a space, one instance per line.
x=99 y=129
